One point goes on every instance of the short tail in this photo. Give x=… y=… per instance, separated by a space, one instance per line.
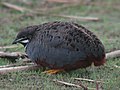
x=99 y=62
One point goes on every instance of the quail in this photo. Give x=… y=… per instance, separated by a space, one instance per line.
x=61 y=46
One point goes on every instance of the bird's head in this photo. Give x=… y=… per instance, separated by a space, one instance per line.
x=25 y=35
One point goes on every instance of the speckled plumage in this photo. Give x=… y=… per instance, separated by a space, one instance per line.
x=63 y=45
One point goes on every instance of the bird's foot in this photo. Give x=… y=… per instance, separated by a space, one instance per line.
x=53 y=71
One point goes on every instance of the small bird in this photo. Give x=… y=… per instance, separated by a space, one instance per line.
x=61 y=46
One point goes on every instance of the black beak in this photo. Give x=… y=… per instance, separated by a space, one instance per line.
x=15 y=42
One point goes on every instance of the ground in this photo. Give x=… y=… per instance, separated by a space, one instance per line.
x=108 y=30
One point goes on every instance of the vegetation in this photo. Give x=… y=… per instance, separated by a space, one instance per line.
x=107 y=29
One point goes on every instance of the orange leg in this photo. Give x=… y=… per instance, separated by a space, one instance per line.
x=53 y=71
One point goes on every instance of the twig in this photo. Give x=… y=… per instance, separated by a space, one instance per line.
x=93 y=81
x=13 y=65
x=19 y=68
x=97 y=86
x=13 y=55
x=15 y=7
x=113 y=54
x=84 y=87
x=89 y=80
x=26 y=60
x=21 y=9
x=78 y=17
x=7 y=47
x=116 y=66
x=72 y=85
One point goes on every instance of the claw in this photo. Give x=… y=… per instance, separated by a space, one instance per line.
x=53 y=71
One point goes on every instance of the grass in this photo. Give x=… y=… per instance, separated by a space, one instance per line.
x=108 y=30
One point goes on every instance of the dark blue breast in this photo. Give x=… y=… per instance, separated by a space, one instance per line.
x=53 y=56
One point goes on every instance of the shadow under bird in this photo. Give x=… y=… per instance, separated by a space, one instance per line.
x=61 y=46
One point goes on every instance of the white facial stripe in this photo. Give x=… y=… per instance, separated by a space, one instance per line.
x=20 y=39
x=25 y=41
